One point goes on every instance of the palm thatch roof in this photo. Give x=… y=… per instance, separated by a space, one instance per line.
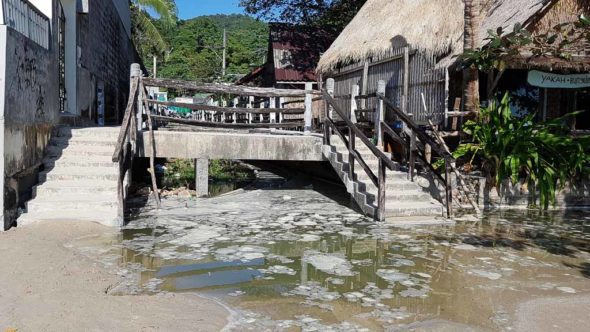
x=432 y=26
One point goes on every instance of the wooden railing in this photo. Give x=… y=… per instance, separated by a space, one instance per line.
x=417 y=144
x=260 y=108
x=354 y=132
x=414 y=139
x=242 y=107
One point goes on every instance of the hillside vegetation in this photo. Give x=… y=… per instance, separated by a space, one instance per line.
x=196 y=48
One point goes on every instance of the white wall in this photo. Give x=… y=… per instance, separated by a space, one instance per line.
x=44 y=6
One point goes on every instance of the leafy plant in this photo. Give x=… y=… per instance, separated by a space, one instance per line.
x=512 y=147
x=181 y=172
x=561 y=41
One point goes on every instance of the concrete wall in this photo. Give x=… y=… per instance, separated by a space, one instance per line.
x=192 y=145
x=519 y=196
x=106 y=53
x=29 y=106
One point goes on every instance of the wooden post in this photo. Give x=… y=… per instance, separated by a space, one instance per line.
x=353 y=103
x=406 y=80
x=308 y=108
x=412 y=155
x=273 y=104
x=330 y=84
x=365 y=84
x=380 y=113
x=448 y=189
x=235 y=115
x=250 y=105
x=280 y=105
x=136 y=73
x=351 y=149
x=382 y=191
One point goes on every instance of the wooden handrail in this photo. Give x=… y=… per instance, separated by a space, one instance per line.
x=240 y=110
x=126 y=120
x=378 y=153
x=227 y=125
x=237 y=90
x=356 y=155
x=414 y=127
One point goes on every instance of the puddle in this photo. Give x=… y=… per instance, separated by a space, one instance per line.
x=294 y=259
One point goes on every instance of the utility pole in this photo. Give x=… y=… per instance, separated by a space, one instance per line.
x=155 y=66
x=224 y=52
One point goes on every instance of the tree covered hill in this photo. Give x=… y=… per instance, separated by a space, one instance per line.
x=196 y=47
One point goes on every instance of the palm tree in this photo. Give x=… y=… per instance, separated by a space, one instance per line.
x=147 y=37
x=473 y=9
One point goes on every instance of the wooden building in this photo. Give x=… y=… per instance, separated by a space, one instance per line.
x=414 y=46
x=293 y=54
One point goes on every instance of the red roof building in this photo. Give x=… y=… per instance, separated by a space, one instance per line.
x=293 y=54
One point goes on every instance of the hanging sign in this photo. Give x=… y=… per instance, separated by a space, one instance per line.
x=556 y=81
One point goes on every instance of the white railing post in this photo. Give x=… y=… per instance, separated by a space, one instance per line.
x=250 y=105
x=280 y=114
x=308 y=108
x=380 y=112
x=353 y=102
x=236 y=101
x=330 y=84
x=273 y=104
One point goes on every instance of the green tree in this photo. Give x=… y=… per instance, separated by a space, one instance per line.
x=196 y=52
x=147 y=36
x=335 y=13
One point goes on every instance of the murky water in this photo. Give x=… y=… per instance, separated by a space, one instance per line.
x=294 y=259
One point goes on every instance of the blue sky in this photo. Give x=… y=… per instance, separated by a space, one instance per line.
x=193 y=8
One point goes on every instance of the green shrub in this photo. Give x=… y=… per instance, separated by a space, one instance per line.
x=545 y=154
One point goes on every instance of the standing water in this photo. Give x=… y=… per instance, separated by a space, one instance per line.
x=292 y=258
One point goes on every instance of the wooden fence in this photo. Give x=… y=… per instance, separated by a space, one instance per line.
x=413 y=84
x=239 y=106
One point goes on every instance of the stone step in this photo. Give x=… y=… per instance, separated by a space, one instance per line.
x=90 y=161
x=55 y=151
x=107 y=216
x=110 y=133
x=80 y=173
x=402 y=210
x=84 y=141
x=39 y=205
x=402 y=196
x=88 y=196
x=72 y=187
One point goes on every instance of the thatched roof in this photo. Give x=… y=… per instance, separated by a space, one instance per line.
x=433 y=26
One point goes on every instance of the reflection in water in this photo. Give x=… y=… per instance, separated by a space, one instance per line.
x=295 y=258
x=469 y=273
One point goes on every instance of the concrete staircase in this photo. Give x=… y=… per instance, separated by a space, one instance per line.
x=78 y=180
x=403 y=197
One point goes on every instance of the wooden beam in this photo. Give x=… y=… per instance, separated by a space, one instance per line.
x=227 y=125
x=238 y=90
x=241 y=110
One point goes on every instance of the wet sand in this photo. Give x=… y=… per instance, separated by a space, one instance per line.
x=45 y=286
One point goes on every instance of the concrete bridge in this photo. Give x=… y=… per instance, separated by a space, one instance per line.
x=87 y=170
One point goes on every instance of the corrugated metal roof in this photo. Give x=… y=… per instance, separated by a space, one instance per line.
x=296 y=51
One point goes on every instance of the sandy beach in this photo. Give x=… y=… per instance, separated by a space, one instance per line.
x=45 y=286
